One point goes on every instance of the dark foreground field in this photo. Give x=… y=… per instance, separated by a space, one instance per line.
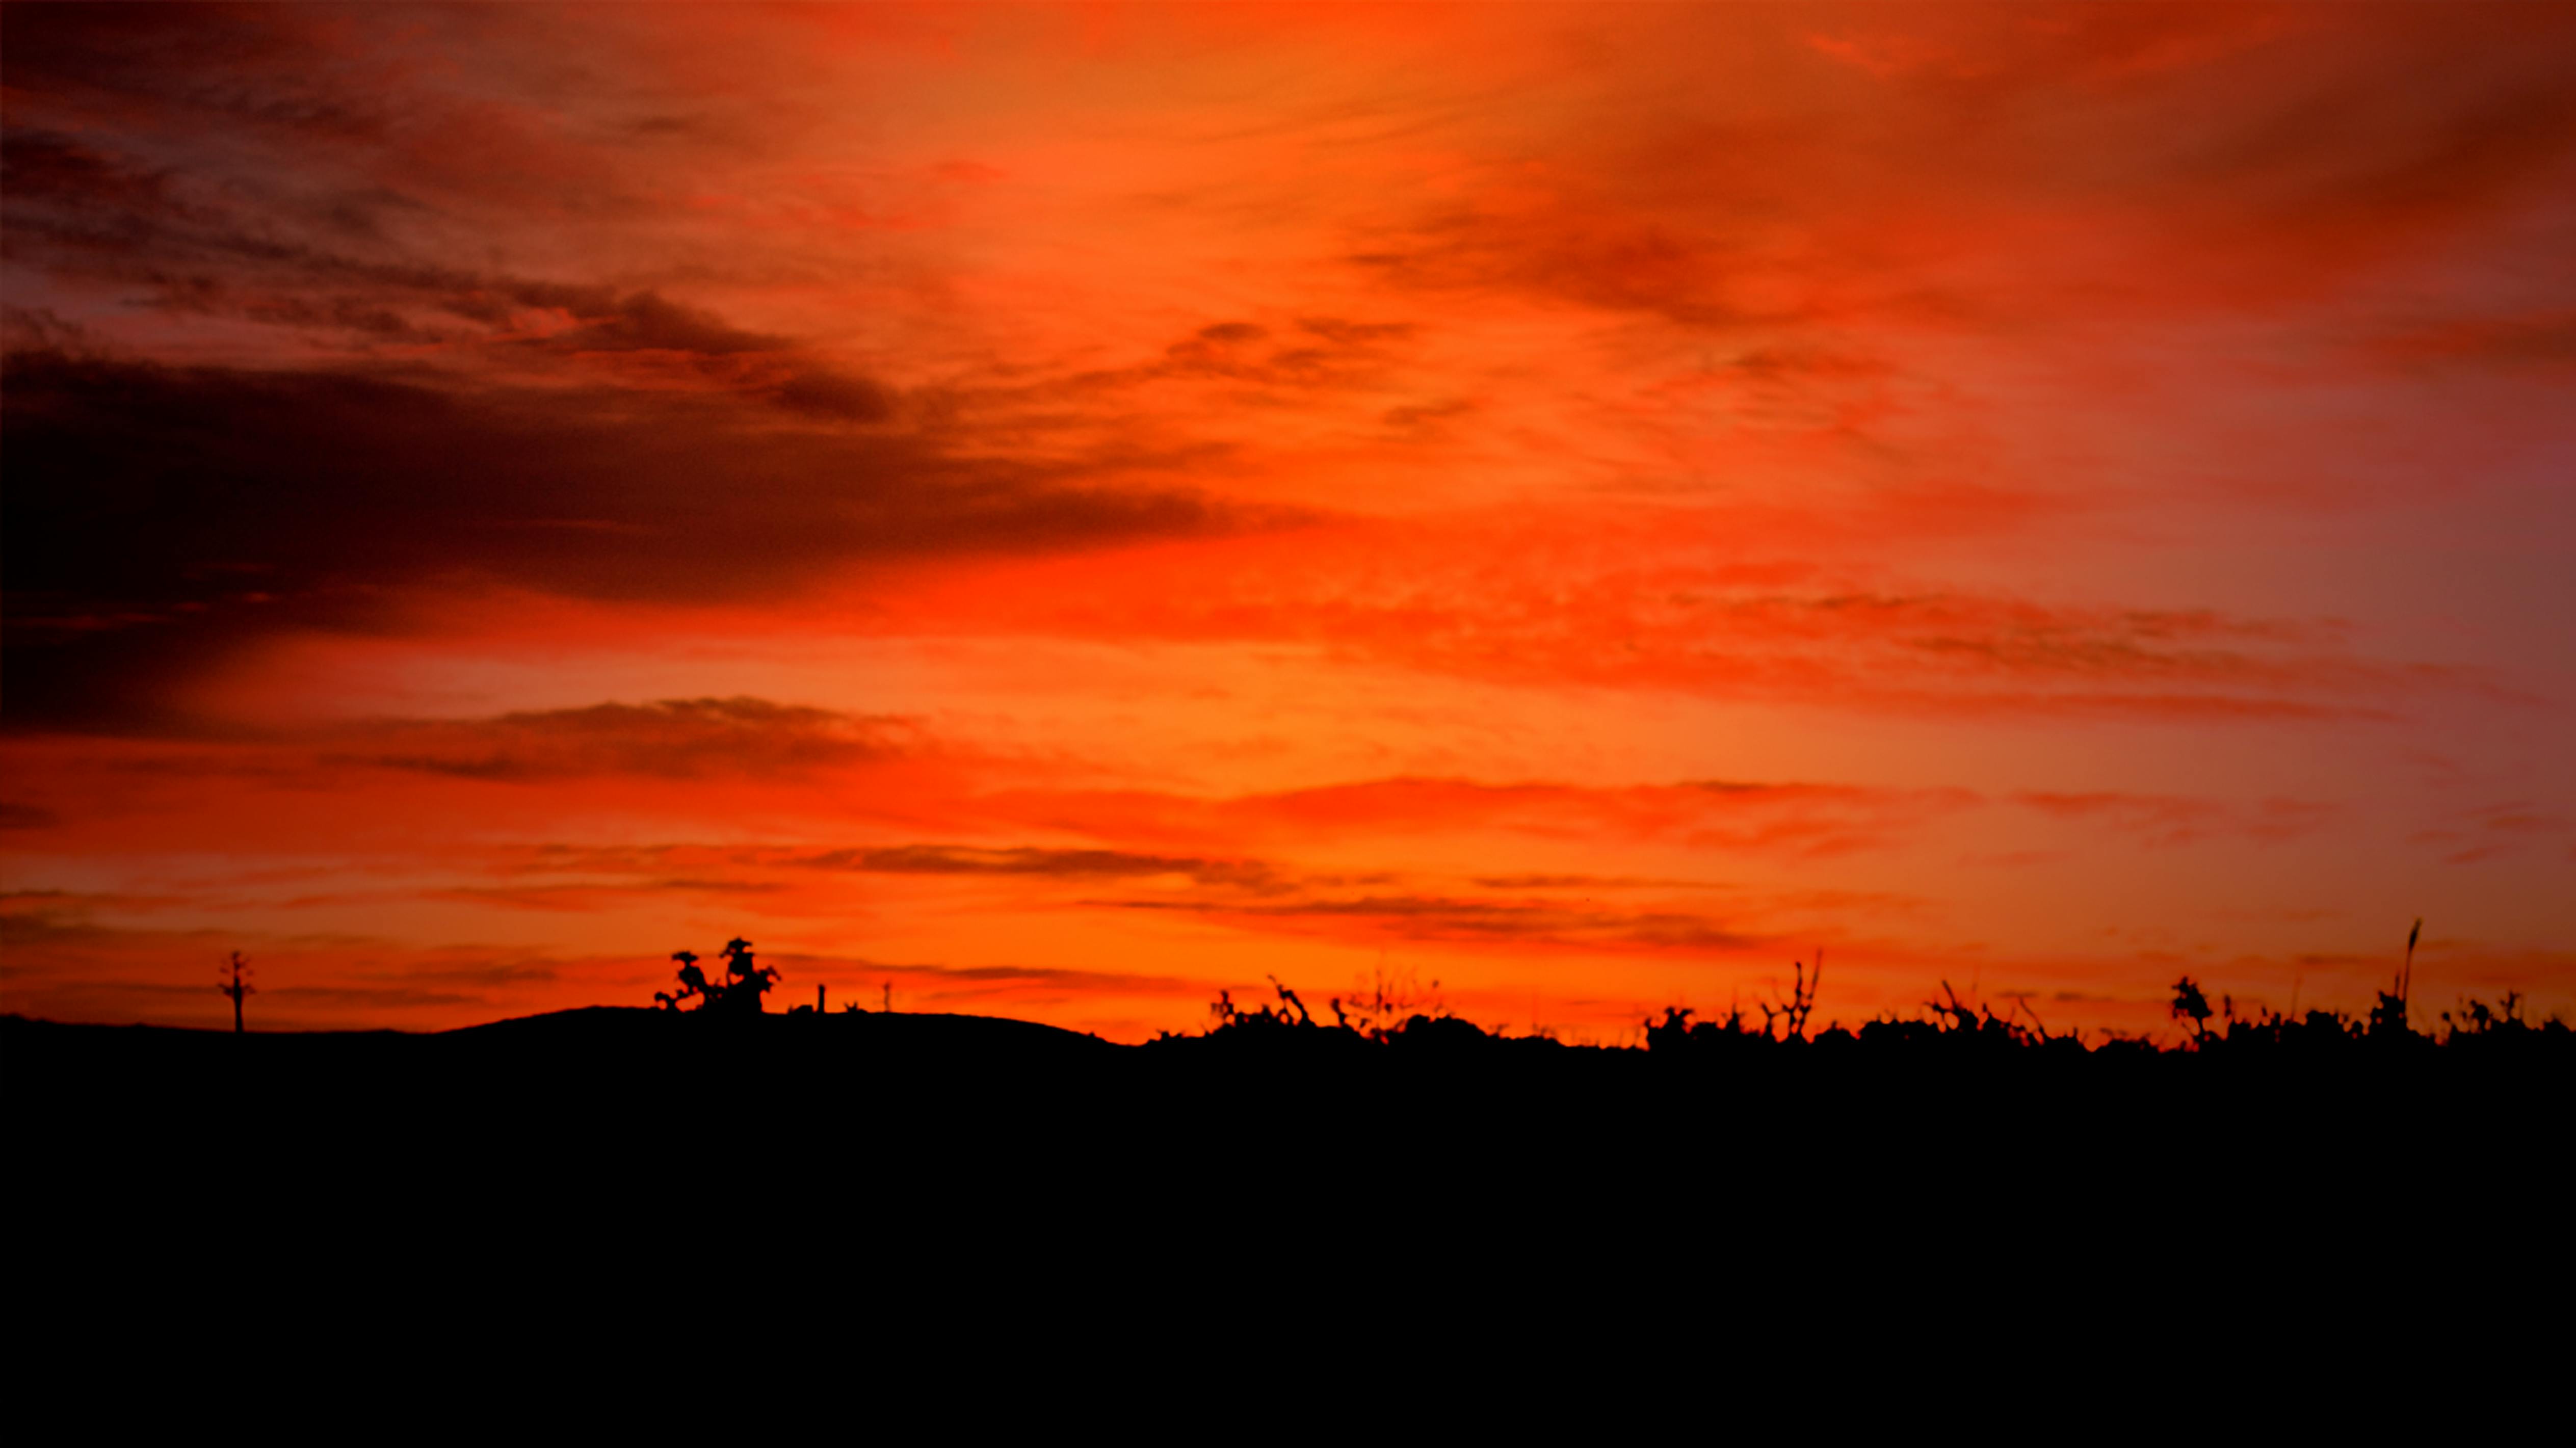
x=919 y=1102
x=926 y=1179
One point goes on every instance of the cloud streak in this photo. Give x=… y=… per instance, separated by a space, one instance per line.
x=670 y=739
x=161 y=518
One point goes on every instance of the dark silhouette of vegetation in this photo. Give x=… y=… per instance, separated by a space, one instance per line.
x=1747 y=1119
x=2190 y=1004
x=853 y=1008
x=1389 y=1010
x=1392 y=1016
x=1393 y=1012
x=738 y=993
x=1389 y=1001
x=1792 y=1016
x=236 y=987
x=1783 y=1022
x=2388 y=1017
x=2478 y=1020
x=1949 y=1028
x=1266 y=1022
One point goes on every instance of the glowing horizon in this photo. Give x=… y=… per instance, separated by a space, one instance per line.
x=1064 y=510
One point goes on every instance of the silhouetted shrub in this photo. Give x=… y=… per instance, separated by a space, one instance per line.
x=1386 y=1001
x=1442 y=1034
x=738 y=993
x=2190 y=1004
x=1677 y=1035
x=1948 y=1030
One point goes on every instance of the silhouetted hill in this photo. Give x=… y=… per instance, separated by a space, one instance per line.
x=913 y=1036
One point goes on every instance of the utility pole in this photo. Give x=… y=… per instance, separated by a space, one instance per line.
x=889 y=997
x=236 y=988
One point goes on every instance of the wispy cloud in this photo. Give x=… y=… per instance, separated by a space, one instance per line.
x=670 y=739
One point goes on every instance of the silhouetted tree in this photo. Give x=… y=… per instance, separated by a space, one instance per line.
x=2190 y=1004
x=745 y=982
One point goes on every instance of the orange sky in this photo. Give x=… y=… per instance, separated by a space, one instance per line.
x=1059 y=511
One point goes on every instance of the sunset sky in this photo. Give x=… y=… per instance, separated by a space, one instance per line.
x=1058 y=511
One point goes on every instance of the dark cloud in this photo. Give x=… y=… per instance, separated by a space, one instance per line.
x=1335 y=354
x=38 y=329
x=81 y=212
x=585 y=898
x=2255 y=156
x=1581 y=882
x=826 y=395
x=2490 y=831
x=2520 y=343
x=1423 y=417
x=671 y=739
x=1610 y=262
x=183 y=57
x=2167 y=820
x=1356 y=334
x=43 y=167
x=209 y=230
x=637 y=321
x=1479 y=920
x=2482 y=121
x=1027 y=975
x=1026 y=860
x=158 y=517
x=26 y=817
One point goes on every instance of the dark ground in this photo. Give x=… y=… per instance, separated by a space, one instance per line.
x=928 y=1099
x=979 y=1191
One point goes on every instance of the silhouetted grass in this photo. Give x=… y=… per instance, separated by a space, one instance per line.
x=1946 y=1029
